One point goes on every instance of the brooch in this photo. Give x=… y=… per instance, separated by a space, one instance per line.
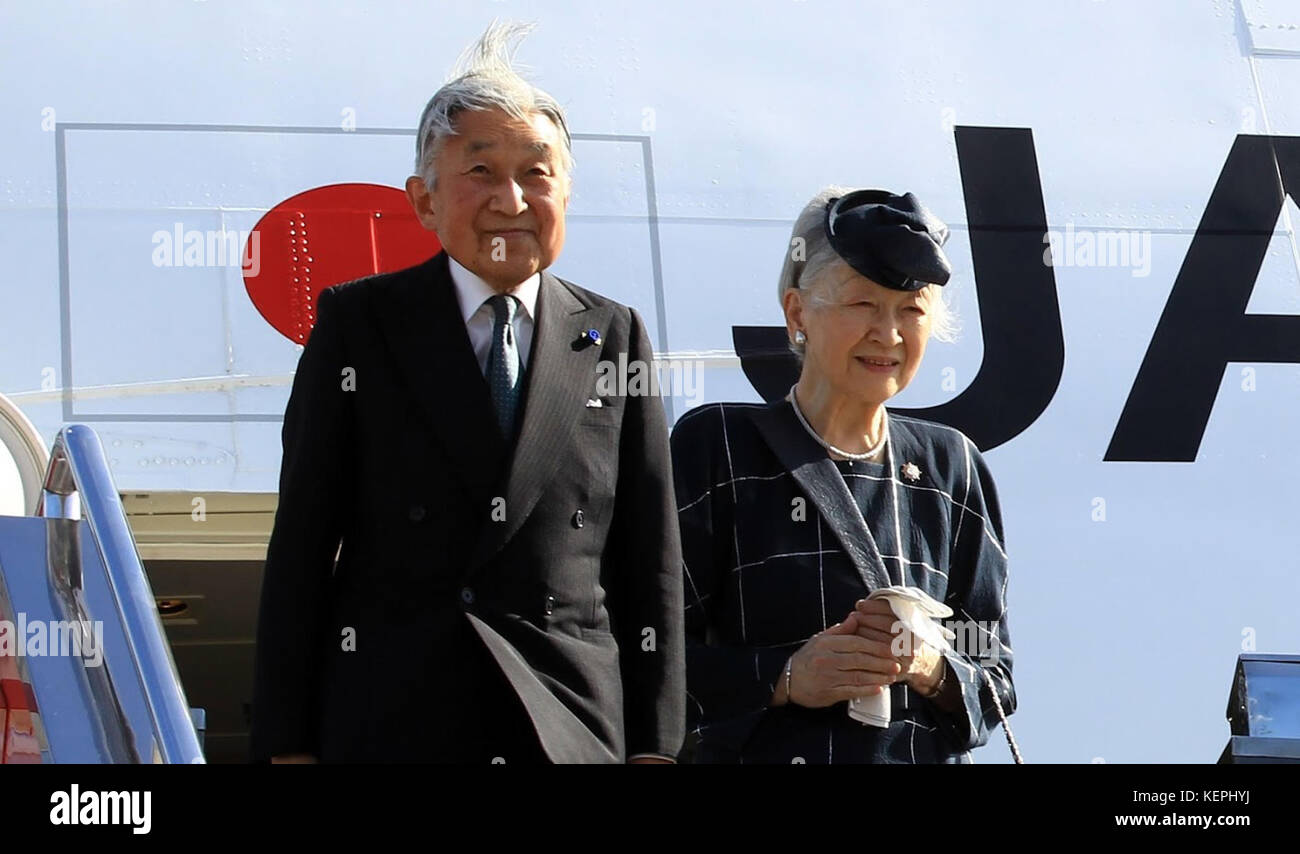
x=911 y=472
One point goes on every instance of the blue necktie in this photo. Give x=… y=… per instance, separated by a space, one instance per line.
x=504 y=370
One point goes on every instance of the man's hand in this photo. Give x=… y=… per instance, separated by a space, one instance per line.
x=836 y=665
x=294 y=759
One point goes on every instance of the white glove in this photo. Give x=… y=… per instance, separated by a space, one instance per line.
x=917 y=611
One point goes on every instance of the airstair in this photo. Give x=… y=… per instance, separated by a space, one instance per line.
x=86 y=672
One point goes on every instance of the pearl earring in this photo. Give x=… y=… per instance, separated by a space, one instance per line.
x=799 y=337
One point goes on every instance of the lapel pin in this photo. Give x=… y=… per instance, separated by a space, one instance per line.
x=911 y=472
x=587 y=339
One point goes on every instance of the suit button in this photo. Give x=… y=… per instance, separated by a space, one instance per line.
x=416 y=513
x=550 y=605
x=467 y=596
x=578 y=519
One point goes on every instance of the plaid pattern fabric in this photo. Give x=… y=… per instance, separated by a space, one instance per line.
x=769 y=561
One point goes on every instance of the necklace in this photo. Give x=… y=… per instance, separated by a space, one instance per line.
x=884 y=432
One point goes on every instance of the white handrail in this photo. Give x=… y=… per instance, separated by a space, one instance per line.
x=23 y=442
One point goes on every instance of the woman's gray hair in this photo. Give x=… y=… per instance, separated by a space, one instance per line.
x=810 y=261
x=483 y=79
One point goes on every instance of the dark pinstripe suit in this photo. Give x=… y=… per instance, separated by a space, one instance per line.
x=481 y=580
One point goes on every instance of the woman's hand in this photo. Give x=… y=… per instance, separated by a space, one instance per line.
x=921 y=664
x=837 y=665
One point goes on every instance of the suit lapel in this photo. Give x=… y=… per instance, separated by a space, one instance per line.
x=820 y=479
x=423 y=326
x=558 y=379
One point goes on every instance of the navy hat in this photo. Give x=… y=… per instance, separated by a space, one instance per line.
x=890 y=239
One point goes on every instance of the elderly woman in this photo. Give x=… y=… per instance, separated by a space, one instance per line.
x=793 y=513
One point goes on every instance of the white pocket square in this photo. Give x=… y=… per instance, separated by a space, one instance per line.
x=595 y=402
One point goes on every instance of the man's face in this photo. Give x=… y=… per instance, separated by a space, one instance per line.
x=501 y=192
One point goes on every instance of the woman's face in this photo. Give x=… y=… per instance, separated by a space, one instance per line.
x=864 y=339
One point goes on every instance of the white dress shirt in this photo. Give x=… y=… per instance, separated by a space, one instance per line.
x=473 y=293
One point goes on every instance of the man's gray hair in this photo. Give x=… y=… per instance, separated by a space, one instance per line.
x=483 y=79
x=810 y=260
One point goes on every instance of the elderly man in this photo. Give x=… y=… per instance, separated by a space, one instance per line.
x=508 y=584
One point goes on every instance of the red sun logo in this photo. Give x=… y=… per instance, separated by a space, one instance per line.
x=325 y=236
